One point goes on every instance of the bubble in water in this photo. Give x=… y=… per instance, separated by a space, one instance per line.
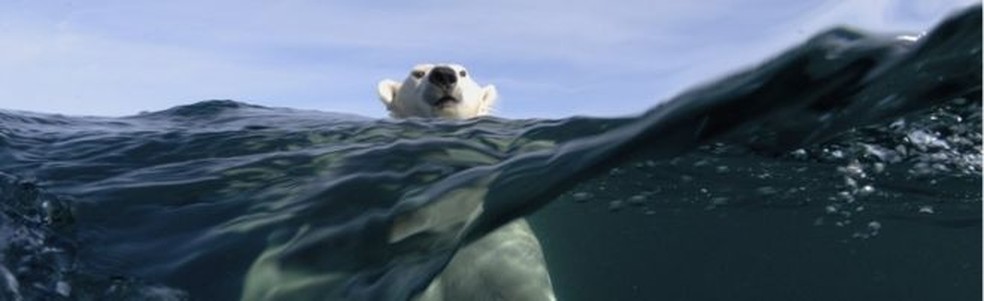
x=927 y=209
x=878 y=167
x=615 y=171
x=925 y=141
x=870 y=231
x=901 y=150
x=800 y=154
x=56 y=212
x=866 y=190
x=845 y=196
x=881 y=154
x=581 y=197
x=874 y=225
x=897 y=124
x=850 y=182
x=924 y=169
x=766 y=190
x=717 y=201
x=62 y=288
x=852 y=169
x=615 y=205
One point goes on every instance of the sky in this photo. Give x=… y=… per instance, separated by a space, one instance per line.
x=547 y=59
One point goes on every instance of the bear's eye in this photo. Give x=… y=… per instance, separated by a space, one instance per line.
x=417 y=73
x=462 y=73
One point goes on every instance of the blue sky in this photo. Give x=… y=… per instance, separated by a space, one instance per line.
x=547 y=58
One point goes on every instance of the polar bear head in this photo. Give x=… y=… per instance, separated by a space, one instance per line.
x=437 y=90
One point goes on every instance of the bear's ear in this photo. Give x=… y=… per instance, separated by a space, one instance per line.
x=387 y=91
x=489 y=97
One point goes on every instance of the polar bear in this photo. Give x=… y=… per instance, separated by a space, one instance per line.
x=444 y=90
x=506 y=264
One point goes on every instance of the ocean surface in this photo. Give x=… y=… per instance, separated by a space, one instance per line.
x=846 y=168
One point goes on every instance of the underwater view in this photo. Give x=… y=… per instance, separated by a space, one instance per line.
x=848 y=167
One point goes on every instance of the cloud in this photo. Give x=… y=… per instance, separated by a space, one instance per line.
x=548 y=58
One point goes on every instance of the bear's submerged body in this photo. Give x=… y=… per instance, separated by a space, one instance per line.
x=506 y=264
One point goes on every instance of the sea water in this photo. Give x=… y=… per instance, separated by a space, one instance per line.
x=846 y=168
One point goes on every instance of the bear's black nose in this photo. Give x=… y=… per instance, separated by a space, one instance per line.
x=443 y=77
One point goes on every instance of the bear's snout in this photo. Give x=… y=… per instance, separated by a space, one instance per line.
x=443 y=77
x=437 y=90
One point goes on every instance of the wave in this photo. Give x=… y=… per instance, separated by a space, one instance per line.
x=221 y=200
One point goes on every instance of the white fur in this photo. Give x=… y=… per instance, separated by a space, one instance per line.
x=412 y=98
x=506 y=264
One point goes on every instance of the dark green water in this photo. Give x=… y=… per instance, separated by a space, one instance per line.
x=847 y=168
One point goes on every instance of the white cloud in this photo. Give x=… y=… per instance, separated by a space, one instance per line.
x=549 y=58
